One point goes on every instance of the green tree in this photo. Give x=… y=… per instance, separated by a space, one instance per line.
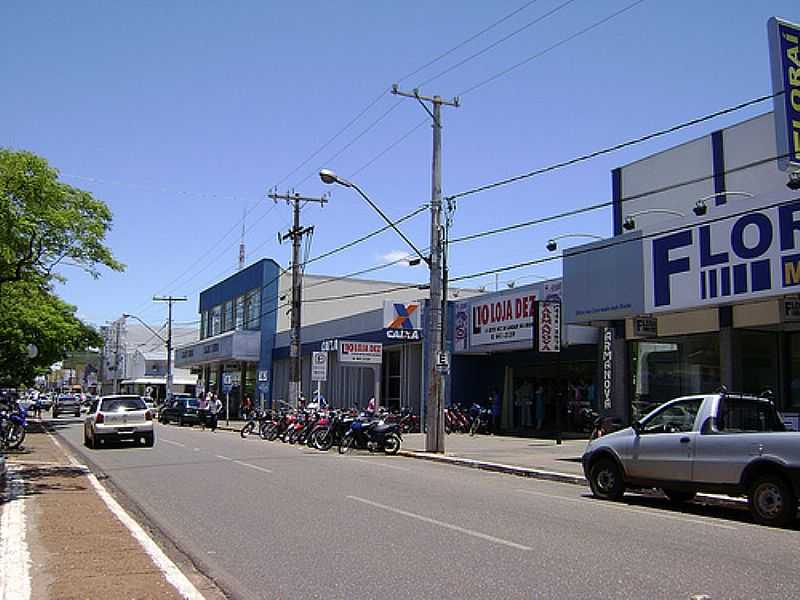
x=31 y=314
x=45 y=223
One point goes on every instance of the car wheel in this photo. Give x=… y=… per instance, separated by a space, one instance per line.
x=679 y=496
x=605 y=480
x=180 y=421
x=55 y=414
x=772 y=502
x=78 y=413
x=150 y=440
x=96 y=441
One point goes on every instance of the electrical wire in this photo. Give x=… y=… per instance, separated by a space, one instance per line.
x=614 y=148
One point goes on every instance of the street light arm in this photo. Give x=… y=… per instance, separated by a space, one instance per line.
x=387 y=219
x=153 y=331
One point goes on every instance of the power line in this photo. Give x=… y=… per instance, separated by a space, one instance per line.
x=614 y=148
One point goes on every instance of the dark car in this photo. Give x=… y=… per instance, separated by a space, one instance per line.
x=67 y=403
x=183 y=411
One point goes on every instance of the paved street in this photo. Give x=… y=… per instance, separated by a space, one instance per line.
x=268 y=520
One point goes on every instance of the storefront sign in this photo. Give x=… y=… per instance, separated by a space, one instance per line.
x=549 y=326
x=791 y=310
x=406 y=335
x=401 y=315
x=747 y=255
x=507 y=318
x=329 y=345
x=606 y=367
x=784 y=52
x=319 y=366
x=360 y=352
x=263 y=375
x=645 y=327
x=461 y=327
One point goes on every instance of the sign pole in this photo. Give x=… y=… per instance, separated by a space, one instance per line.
x=227 y=408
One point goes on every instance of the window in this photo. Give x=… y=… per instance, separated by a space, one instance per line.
x=227 y=316
x=739 y=415
x=216 y=318
x=675 y=418
x=203 y=318
x=239 y=313
x=123 y=404
x=253 y=308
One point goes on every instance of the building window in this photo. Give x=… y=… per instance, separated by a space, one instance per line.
x=227 y=316
x=203 y=317
x=253 y=304
x=216 y=318
x=239 y=313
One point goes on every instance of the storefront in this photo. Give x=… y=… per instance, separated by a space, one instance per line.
x=237 y=331
x=499 y=357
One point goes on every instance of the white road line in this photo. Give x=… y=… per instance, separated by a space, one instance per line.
x=171 y=572
x=15 y=583
x=222 y=457
x=196 y=449
x=377 y=464
x=174 y=443
x=612 y=506
x=477 y=534
x=257 y=468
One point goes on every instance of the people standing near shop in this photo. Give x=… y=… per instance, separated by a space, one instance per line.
x=214 y=408
x=246 y=407
x=202 y=408
x=496 y=405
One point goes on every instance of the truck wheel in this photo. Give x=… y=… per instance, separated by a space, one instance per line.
x=679 y=496
x=605 y=480
x=772 y=502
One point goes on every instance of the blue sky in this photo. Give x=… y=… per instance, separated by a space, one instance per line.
x=182 y=115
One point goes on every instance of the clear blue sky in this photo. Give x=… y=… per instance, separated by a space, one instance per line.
x=181 y=115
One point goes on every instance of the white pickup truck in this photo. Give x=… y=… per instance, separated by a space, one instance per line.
x=722 y=443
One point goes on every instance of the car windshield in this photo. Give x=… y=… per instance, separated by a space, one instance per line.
x=62 y=398
x=192 y=403
x=122 y=404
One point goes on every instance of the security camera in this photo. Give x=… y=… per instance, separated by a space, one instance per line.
x=551 y=245
x=794 y=181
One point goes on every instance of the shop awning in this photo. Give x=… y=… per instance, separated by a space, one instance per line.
x=239 y=346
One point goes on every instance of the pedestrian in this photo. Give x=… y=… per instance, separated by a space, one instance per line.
x=202 y=408
x=246 y=407
x=496 y=405
x=214 y=407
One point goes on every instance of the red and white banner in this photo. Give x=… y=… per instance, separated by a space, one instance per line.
x=508 y=318
x=360 y=352
x=549 y=327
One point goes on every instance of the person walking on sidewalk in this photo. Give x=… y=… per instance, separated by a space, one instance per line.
x=202 y=408
x=213 y=412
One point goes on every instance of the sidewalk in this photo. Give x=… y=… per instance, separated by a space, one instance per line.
x=63 y=537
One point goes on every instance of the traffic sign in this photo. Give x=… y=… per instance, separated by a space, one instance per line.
x=319 y=366
x=227 y=382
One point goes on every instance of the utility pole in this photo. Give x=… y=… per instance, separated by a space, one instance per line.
x=434 y=439
x=296 y=234
x=116 y=360
x=169 y=300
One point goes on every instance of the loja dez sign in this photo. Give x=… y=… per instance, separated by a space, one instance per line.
x=360 y=352
x=745 y=256
x=506 y=319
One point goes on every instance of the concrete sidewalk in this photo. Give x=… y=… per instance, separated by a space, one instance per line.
x=63 y=537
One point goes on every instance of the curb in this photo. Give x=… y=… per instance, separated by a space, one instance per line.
x=497 y=467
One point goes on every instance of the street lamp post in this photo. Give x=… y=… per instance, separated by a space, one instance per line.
x=167 y=342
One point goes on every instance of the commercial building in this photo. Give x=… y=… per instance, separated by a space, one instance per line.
x=699 y=286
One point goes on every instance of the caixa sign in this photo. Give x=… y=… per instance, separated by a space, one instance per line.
x=751 y=255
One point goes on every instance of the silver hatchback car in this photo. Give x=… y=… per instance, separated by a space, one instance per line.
x=118 y=418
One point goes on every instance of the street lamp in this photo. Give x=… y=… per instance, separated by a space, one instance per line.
x=552 y=245
x=630 y=223
x=700 y=207
x=167 y=341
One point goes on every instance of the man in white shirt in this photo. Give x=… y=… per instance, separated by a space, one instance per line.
x=214 y=407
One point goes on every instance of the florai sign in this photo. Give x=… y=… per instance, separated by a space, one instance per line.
x=508 y=318
x=549 y=326
x=370 y=353
x=784 y=50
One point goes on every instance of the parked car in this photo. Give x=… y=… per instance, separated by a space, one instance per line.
x=67 y=403
x=723 y=443
x=182 y=410
x=118 y=418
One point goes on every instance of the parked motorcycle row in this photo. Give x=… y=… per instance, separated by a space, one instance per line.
x=324 y=429
x=472 y=421
x=13 y=425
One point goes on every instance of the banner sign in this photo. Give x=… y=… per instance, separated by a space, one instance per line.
x=319 y=366
x=401 y=320
x=360 y=352
x=645 y=327
x=549 y=326
x=784 y=53
x=507 y=318
x=741 y=257
x=605 y=364
x=461 y=327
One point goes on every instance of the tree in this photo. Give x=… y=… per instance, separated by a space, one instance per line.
x=45 y=223
x=31 y=314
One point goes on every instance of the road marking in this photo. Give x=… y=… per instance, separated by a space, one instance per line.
x=171 y=572
x=174 y=443
x=222 y=457
x=196 y=449
x=244 y=464
x=612 y=506
x=377 y=464
x=14 y=556
x=477 y=534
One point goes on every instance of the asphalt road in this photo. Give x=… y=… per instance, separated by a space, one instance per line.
x=269 y=520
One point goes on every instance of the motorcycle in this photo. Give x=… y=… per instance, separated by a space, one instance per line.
x=13 y=427
x=255 y=421
x=374 y=436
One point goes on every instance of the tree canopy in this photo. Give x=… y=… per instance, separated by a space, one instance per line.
x=44 y=224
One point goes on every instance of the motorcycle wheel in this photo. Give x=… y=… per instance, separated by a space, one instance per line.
x=391 y=445
x=324 y=440
x=347 y=444
x=247 y=429
x=271 y=432
x=16 y=434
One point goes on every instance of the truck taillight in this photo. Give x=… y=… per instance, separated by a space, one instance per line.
x=100 y=418
x=148 y=416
